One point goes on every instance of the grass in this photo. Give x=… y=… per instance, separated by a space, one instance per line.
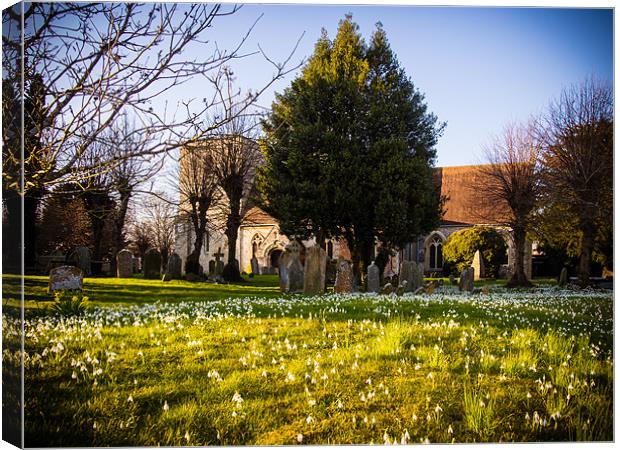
x=196 y=364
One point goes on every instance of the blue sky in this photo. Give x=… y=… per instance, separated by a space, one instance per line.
x=479 y=68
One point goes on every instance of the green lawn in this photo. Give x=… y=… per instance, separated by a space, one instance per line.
x=194 y=364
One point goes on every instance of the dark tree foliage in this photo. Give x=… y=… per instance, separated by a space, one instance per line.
x=349 y=149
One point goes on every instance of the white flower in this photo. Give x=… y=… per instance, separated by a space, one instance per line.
x=237 y=398
x=450 y=431
x=186 y=436
x=130 y=399
x=166 y=407
x=309 y=419
x=300 y=438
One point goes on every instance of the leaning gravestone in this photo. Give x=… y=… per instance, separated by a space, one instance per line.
x=124 y=264
x=478 y=266
x=254 y=265
x=82 y=259
x=466 y=283
x=408 y=272
x=294 y=269
x=314 y=271
x=282 y=272
x=345 y=281
x=563 y=277
x=373 y=281
x=65 y=278
x=152 y=264
x=175 y=265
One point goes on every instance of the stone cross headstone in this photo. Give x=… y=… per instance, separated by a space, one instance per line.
x=152 y=264
x=563 y=277
x=408 y=273
x=175 y=265
x=219 y=264
x=466 y=282
x=373 y=281
x=254 y=265
x=124 y=264
x=82 y=259
x=345 y=281
x=478 y=266
x=294 y=269
x=314 y=271
x=282 y=271
x=65 y=277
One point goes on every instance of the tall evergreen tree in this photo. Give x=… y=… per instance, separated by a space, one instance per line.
x=349 y=149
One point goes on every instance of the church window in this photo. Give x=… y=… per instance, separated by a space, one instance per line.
x=436 y=254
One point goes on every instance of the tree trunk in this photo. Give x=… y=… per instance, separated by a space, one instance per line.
x=585 y=257
x=31 y=204
x=192 y=265
x=519 y=278
x=231 y=270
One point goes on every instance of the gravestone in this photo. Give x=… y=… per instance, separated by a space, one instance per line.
x=430 y=287
x=219 y=264
x=330 y=271
x=65 y=277
x=373 y=281
x=254 y=265
x=152 y=264
x=82 y=259
x=282 y=271
x=466 y=282
x=418 y=276
x=345 y=281
x=563 y=277
x=294 y=269
x=408 y=273
x=124 y=264
x=314 y=271
x=478 y=266
x=212 y=267
x=175 y=265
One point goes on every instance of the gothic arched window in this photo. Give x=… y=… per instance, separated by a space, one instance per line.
x=436 y=254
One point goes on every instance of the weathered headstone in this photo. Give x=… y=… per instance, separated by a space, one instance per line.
x=563 y=277
x=478 y=266
x=65 y=277
x=282 y=271
x=373 y=280
x=219 y=264
x=452 y=280
x=345 y=281
x=330 y=271
x=254 y=265
x=212 y=267
x=152 y=264
x=124 y=264
x=294 y=269
x=82 y=259
x=466 y=282
x=175 y=265
x=408 y=272
x=314 y=271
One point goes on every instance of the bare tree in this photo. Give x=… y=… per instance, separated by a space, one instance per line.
x=198 y=191
x=577 y=161
x=89 y=63
x=140 y=237
x=161 y=217
x=509 y=184
x=235 y=156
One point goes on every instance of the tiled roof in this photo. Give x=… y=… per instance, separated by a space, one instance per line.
x=465 y=202
x=256 y=216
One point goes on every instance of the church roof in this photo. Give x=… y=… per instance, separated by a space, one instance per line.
x=465 y=204
x=256 y=216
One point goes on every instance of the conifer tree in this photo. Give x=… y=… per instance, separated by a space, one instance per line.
x=349 y=149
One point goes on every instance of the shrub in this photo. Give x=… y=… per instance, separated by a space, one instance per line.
x=460 y=248
x=69 y=303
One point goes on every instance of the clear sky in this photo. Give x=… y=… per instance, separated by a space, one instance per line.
x=479 y=68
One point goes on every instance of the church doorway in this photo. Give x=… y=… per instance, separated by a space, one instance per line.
x=274 y=258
